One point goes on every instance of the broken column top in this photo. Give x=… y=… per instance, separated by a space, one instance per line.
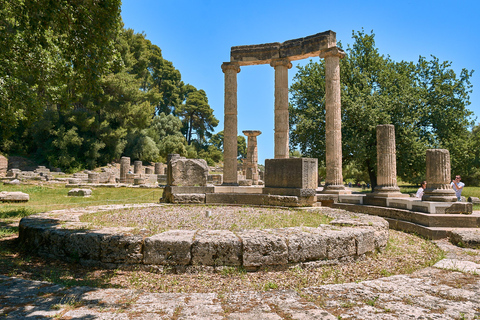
x=252 y=133
x=295 y=49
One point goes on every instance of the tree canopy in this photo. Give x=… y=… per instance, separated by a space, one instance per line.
x=77 y=90
x=426 y=101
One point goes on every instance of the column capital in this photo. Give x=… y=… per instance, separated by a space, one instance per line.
x=231 y=66
x=252 y=133
x=281 y=62
x=332 y=52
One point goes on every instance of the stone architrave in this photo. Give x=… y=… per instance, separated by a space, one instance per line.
x=438 y=177
x=124 y=168
x=137 y=167
x=3 y=166
x=252 y=155
x=281 y=107
x=230 y=124
x=386 y=163
x=333 y=122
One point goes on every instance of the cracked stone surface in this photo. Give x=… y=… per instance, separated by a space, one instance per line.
x=449 y=290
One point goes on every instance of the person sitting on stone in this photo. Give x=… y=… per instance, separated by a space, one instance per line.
x=420 y=190
x=457 y=185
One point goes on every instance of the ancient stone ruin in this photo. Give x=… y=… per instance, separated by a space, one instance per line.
x=279 y=56
x=3 y=166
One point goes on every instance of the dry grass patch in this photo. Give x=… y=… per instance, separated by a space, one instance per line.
x=185 y=217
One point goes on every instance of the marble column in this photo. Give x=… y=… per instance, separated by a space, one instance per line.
x=281 y=107
x=386 y=163
x=252 y=155
x=333 y=122
x=230 y=149
x=438 y=177
x=137 y=167
x=124 y=168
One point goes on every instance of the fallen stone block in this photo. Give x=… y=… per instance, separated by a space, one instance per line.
x=473 y=200
x=172 y=247
x=14 y=196
x=465 y=238
x=216 y=248
x=80 y=193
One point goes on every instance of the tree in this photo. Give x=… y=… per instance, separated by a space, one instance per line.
x=165 y=132
x=197 y=115
x=52 y=54
x=377 y=90
x=217 y=141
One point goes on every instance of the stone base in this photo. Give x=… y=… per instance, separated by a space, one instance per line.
x=260 y=199
x=179 y=194
x=336 y=189
x=440 y=195
x=298 y=192
x=379 y=198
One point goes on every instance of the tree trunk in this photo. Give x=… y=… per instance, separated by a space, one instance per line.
x=371 y=175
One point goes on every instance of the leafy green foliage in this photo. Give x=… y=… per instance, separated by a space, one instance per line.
x=425 y=101
x=197 y=115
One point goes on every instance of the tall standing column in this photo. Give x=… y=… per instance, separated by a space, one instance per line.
x=386 y=168
x=281 y=107
x=252 y=155
x=438 y=177
x=333 y=122
x=230 y=124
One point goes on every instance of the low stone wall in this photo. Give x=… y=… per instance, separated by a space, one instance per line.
x=60 y=235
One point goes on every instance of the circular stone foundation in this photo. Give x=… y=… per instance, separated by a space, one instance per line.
x=60 y=234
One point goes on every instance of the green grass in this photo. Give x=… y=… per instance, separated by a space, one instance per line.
x=47 y=198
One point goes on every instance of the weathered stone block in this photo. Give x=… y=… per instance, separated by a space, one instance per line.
x=121 y=249
x=263 y=248
x=460 y=207
x=3 y=166
x=299 y=173
x=83 y=245
x=216 y=248
x=14 y=196
x=473 y=200
x=187 y=172
x=80 y=193
x=186 y=198
x=340 y=244
x=245 y=182
x=465 y=238
x=169 y=248
x=304 y=243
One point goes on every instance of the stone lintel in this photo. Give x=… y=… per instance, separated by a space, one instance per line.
x=295 y=49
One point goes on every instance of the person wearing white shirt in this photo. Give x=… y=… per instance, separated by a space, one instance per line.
x=457 y=185
x=420 y=190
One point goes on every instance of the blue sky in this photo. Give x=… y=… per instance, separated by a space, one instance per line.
x=196 y=35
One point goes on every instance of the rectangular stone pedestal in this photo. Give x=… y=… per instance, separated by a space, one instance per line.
x=301 y=173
